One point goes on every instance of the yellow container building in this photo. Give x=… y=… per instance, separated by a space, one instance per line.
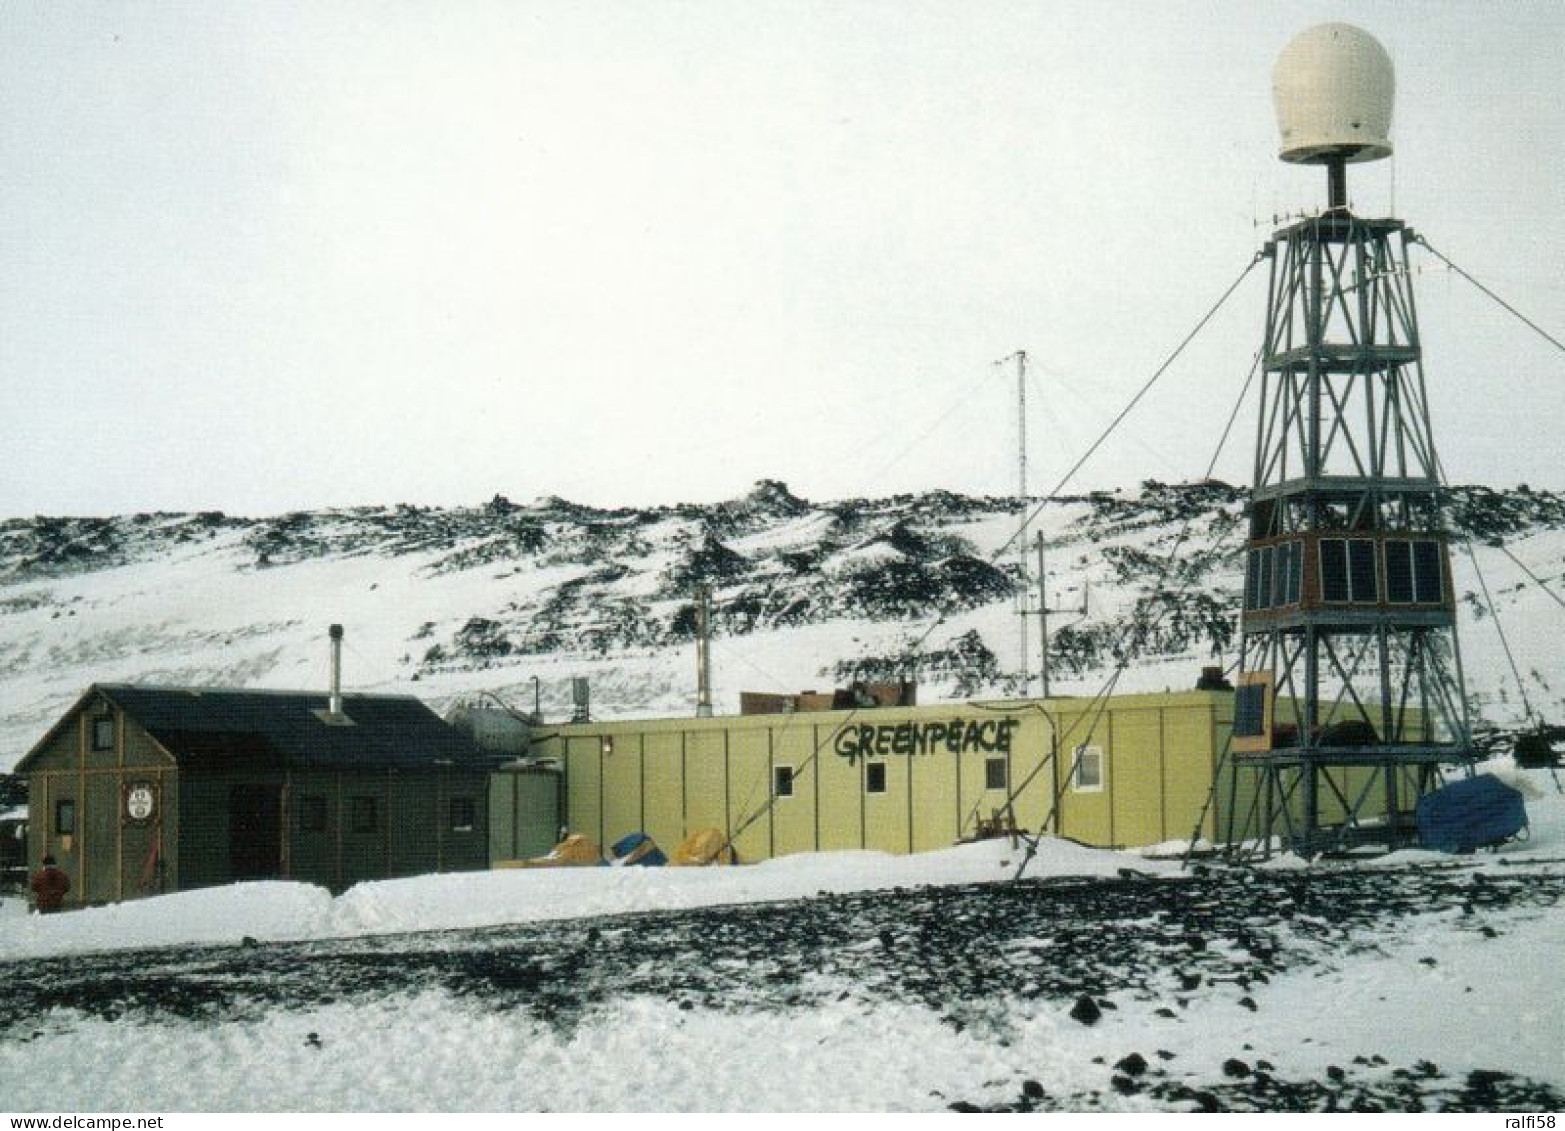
x=1125 y=771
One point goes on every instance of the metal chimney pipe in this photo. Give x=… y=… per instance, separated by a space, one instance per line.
x=703 y=654
x=334 y=706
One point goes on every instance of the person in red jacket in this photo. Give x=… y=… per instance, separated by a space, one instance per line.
x=49 y=887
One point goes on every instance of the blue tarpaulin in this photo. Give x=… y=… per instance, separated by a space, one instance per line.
x=639 y=849
x=1472 y=813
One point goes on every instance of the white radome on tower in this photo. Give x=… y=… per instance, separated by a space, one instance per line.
x=1333 y=87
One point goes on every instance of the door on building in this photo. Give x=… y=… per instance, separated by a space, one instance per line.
x=524 y=812
x=255 y=832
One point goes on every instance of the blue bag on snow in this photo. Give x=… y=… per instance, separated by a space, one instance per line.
x=1477 y=812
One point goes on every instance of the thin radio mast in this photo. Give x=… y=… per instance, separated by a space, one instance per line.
x=1044 y=612
x=1043 y=623
x=1022 y=612
x=703 y=652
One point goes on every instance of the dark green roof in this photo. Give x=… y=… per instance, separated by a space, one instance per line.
x=288 y=728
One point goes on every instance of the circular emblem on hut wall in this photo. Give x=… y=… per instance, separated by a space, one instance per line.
x=140 y=801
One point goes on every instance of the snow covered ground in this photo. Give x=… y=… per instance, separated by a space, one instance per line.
x=276 y=911
x=1436 y=1001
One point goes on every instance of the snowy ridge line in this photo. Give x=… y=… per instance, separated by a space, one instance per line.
x=446 y=605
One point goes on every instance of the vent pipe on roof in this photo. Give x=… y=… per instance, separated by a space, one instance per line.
x=334 y=706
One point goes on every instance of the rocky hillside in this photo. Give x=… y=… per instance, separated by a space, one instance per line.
x=512 y=600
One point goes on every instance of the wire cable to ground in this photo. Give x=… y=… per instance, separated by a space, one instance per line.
x=1099 y=702
x=916 y=645
x=1536 y=580
x=1539 y=330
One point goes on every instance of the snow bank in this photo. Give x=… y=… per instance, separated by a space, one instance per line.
x=279 y=911
x=289 y=911
x=266 y=911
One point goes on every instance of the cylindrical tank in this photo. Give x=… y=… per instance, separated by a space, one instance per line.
x=492 y=728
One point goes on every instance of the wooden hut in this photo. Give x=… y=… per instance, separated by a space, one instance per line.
x=138 y=790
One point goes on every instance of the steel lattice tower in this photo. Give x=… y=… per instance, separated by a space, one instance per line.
x=1351 y=691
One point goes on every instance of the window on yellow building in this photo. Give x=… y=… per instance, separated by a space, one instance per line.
x=874 y=777
x=1087 y=770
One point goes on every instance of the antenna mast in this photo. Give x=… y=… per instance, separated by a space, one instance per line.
x=703 y=652
x=1022 y=611
x=1044 y=613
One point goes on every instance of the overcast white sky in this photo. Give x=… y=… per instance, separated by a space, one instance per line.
x=261 y=256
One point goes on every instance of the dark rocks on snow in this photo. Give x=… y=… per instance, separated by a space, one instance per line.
x=481 y=638
x=963 y=952
x=707 y=561
x=934 y=568
x=1086 y=1011
x=1133 y=1065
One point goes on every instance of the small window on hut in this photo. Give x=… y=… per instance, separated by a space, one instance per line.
x=1427 y=572
x=363 y=814
x=1290 y=573
x=312 y=813
x=1413 y=572
x=464 y=814
x=65 y=817
x=874 y=777
x=103 y=732
x=1347 y=571
x=1087 y=775
x=782 y=781
x=994 y=773
x=1250 y=710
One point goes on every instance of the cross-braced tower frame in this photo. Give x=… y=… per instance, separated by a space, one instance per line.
x=1351 y=692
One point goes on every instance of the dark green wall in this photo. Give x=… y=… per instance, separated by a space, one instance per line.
x=411 y=835
x=108 y=858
